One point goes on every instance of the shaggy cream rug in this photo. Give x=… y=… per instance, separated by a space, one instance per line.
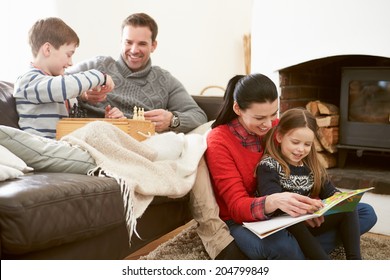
x=188 y=246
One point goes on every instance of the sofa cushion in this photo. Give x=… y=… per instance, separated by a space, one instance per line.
x=44 y=154
x=43 y=210
x=9 y=115
x=40 y=211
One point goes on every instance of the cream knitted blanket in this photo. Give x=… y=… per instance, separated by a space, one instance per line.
x=163 y=165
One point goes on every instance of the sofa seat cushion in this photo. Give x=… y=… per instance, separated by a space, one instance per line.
x=43 y=210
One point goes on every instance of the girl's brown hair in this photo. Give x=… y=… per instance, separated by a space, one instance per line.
x=292 y=119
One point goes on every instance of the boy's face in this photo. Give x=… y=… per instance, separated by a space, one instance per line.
x=60 y=59
x=137 y=46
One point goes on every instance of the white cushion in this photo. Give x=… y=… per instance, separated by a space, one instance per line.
x=7 y=172
x=44 y=154
x=9 y=159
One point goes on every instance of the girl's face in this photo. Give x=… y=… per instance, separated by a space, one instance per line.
x=257 y=119
x=296 y=144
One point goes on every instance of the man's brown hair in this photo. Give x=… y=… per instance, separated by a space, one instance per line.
x=141 y=19
x=52 y=30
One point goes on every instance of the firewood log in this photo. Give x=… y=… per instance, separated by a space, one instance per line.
x=327 y=108
x=332 y=120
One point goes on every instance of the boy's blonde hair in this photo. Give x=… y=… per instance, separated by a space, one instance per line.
x=52 y=30
x=292 y=119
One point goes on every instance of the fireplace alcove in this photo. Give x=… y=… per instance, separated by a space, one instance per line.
x=321 y=79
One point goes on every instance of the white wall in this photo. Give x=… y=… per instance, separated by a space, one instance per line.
x=16 y=19
x=285 y=32
x=199 y=41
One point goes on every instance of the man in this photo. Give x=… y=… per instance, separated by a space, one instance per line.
x=164 y=99
x=169 y=106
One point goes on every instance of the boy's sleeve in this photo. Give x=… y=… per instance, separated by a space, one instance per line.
x=38 y=88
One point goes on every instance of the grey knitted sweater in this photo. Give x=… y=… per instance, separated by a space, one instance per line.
x=150 y=88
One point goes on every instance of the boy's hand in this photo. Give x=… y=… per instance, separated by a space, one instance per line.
x=109 y=86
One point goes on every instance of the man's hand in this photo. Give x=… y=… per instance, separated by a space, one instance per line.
x=113 y=113
x=160 y=117
x=99 y=93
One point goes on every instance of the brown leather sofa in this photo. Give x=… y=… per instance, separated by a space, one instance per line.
x=47 y=215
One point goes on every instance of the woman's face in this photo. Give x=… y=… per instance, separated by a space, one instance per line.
x=257 y=119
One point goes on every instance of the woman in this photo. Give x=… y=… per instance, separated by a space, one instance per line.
x=234 y=149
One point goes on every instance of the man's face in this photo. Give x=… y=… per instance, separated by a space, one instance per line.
x=137 y=46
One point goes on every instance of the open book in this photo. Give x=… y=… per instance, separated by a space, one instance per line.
x=339 y=202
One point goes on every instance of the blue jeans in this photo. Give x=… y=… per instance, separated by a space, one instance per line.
x=367 y=219
x=283 y=246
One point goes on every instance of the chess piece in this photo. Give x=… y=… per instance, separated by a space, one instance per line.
x=141 y=115
x=135 y=113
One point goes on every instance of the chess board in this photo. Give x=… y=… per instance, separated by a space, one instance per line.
x=135 y=128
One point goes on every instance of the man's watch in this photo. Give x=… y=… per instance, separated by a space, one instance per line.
x=175 y=122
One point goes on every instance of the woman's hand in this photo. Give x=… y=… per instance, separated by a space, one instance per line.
x=291 y=203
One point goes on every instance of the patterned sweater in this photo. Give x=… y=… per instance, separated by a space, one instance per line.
x=272 y=179
x=41 y=99
x=150 y=88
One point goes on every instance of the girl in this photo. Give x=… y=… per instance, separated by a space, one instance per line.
x=290 y=164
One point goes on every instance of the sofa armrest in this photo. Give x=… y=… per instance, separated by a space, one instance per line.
x=9 y=115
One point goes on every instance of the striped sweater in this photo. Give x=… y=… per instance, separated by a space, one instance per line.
x=41 y=99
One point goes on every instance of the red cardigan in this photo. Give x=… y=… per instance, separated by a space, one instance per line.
x=232 y=172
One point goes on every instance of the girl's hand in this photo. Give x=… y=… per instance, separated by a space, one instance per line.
x=315 y=222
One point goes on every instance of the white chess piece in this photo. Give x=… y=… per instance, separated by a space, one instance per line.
x=135 y=113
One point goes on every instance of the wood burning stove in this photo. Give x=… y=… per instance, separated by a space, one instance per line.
x=364 y=110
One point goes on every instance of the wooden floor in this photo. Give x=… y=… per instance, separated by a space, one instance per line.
x=154 y=244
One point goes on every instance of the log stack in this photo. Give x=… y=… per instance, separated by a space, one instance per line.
x=327 y=117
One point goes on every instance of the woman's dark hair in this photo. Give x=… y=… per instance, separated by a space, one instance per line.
x=245 y=90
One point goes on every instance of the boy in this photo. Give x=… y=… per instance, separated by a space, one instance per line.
x=42 y=94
